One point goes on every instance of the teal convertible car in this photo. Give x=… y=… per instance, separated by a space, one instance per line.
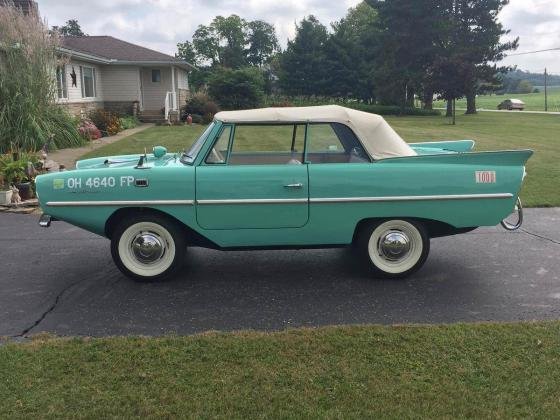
x=287 y=178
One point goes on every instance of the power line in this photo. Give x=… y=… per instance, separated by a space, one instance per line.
x=534 y=52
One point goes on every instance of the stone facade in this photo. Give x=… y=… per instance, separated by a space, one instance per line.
x=79 y=109
x=121 y=107
x=182 y=96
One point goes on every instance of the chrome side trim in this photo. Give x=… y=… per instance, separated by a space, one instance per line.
x=255 y=201
x=120 y=203
x=410 y=198
x=279 y=200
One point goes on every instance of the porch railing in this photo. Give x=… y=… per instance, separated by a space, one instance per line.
x=170 y=103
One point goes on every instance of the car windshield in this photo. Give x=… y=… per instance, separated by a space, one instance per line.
x=190 y=154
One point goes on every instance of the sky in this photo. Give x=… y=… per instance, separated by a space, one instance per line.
x=161 y=24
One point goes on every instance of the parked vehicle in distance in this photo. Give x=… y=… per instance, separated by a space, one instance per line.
x=287 y=178
x=511 y=104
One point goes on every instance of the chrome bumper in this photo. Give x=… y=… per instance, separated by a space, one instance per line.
x=519 y=210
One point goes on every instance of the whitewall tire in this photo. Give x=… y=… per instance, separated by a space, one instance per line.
x=148 y=247
x=394 y=248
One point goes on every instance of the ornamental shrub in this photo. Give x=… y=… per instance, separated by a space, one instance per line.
x=237 y=89
x=107 y=122
x=88 y=130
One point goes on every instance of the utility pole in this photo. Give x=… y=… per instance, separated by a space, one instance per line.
x=545 y=90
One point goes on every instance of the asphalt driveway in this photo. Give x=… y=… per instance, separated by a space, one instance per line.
x=62 y=280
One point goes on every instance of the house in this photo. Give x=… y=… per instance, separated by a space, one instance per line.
x=106 y=72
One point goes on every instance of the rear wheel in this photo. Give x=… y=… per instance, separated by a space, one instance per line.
x=148 y=247
x=394 y=248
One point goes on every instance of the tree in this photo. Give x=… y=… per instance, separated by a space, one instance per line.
x=407 y=46
x=71 y=28
x=302 y=69
x=475 y=36
x=263 y=42
x=232 y=38
x=237 y=89
x=231 y=42
x=350 y=60
x=187 y=52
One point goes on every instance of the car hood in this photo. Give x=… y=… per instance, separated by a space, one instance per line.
x=129 y=161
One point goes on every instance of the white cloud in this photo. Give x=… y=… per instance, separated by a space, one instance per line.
x=537 y=24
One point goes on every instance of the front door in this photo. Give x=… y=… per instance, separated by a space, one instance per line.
x=254 y=178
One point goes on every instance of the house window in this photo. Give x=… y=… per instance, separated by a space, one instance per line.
x=88 y=82
x=61 y=90
x=156 y=75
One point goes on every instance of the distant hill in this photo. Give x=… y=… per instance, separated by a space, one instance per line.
x=536 y=79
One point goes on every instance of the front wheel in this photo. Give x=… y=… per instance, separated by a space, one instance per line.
x=148 y=247
x=394 y=248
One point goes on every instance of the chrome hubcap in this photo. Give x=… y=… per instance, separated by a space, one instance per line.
x=147 y=247
x=394 y=245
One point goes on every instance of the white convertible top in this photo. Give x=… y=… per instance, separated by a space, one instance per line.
x=376 y=135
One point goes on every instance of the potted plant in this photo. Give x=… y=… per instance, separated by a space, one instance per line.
x=5 y=190
x=14 y=174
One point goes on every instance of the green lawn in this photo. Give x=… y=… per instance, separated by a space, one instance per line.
x=491 y=131
x=473 y=370
x=534 y=101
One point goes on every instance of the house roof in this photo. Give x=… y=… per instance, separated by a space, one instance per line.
x=116 y=51
x=376 y=135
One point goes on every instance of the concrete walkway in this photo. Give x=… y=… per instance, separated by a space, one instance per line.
x=68 y=157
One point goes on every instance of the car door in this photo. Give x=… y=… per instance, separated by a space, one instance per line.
x=254 y=178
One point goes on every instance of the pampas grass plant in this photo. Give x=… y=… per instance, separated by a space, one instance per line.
x=29 y=117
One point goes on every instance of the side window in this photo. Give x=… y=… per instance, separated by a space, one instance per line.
x=218 y=153
x=334 y=143
x=268 y=144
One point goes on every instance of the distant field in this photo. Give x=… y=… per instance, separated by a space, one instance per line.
x=490 y=130
x=534 y=101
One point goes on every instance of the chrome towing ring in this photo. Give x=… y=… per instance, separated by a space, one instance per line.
x=509 y=226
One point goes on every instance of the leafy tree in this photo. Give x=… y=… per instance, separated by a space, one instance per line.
x=187 y=52
x=232 y=37
x=71 y=28
x=349 y=57
x=206 y=44
x=263 y=42
x=231 y=42
x=408 y=44
x=237 y=89
x=474 y=34
x=302 y=65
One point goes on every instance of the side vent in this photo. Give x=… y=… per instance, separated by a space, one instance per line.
x=141 y=182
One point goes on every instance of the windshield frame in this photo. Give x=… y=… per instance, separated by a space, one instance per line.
x=189 y=156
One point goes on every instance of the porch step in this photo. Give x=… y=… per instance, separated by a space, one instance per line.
x=151 y=116
x=152 y=119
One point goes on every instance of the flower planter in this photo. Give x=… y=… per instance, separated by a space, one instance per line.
x=25 y=190
x=5 y=197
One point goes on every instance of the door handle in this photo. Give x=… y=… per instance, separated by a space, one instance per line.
x=298 y=185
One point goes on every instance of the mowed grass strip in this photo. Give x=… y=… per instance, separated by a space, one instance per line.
x=491 y=131
x=462 y=370
x=533 y=101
